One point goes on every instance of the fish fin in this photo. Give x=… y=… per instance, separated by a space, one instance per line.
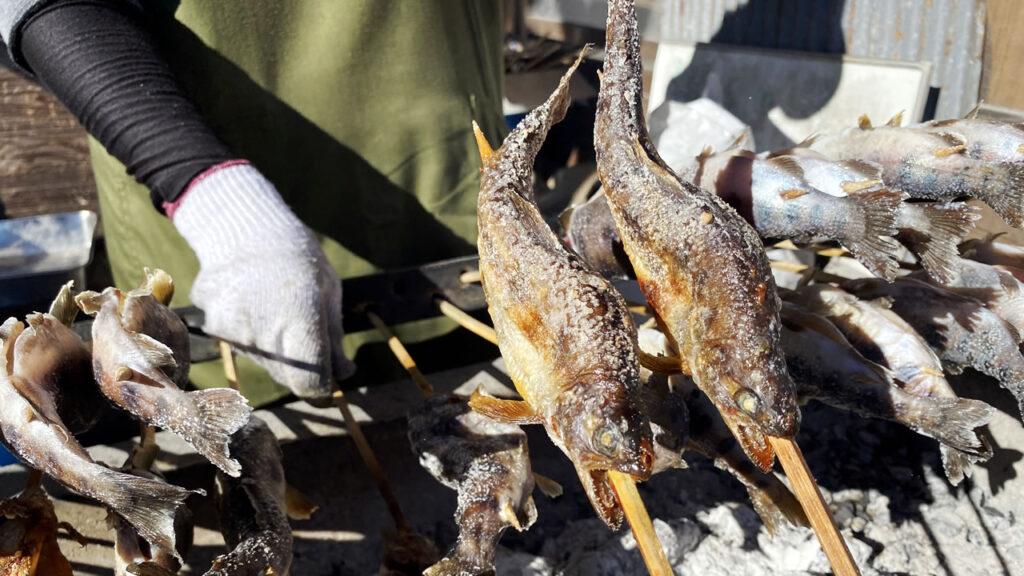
x=602 y=496
x=951 y=421
x=155 y=352
x=9 y=332
x=221 y=412
x=481 y=143
x=159 y=284
x=40 y=402
x=957 y=463
x=793 y=194
x=957 y=144
x=864 y=123
x=776 y=505
x=936 y=245
x=706 y=153
x=973 y=113
x=788 y=164
x=871 y=170
x=660 y=364
x=851 y=187
x=745 y=141
x=89 y=302
x=547 y=486
x=808 y=142
x=1005 y=183
x=875 y=246
x=148 y=505
x=297 y=505
x=502 y=410
x=897 y=120
x=565 y=220
x=63 y=307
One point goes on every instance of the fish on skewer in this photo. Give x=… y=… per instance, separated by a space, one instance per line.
x=959 y=328
x=134 y=556
x=590 y=232
x=702 y=268
x=28 y=536
x=38 y=437
x=253 y=507
x=930 y=165
x=566 y=335
x=135 y=371
x=931 y=230
x=488 y=464
x=144 y=311
x=994 y=250
x=1000 y=289
x=774 y=196
x=884 y=338
x=985 y=140
x=827 y=368
x=58 y=364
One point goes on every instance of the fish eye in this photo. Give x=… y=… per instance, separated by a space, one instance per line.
x=606 y=441
x=748 y=402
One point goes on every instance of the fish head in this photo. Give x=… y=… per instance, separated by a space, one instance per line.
x=603 y=428
x=752 y=390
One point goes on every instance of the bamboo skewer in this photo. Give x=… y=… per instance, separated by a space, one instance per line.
x=810 y=498
x=401 y=354
x=640 y=522
x=230 y=368
x=468 y=322
x=470 y=277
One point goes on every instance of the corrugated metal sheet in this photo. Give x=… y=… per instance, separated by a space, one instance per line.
x=947 y=33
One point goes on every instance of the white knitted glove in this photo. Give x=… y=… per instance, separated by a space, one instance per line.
x=264 y=283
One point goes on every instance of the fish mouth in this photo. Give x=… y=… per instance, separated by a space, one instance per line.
x=751 y=438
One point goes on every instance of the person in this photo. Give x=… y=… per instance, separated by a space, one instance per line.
x=283 y=145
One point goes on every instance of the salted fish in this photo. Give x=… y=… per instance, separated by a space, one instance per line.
x=567 y=337
x=701 y=267
x=1000 y=289
x=488 y=464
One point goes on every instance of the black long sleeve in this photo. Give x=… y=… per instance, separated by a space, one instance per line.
x=99 y=60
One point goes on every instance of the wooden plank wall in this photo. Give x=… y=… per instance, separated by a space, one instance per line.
x=44 y=155
x=1002 y=83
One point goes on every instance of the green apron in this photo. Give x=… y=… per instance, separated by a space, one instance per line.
x=359 y=111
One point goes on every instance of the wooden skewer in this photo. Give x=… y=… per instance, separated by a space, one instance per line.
x=370 y=460
x=468 y=322
x=470 y=277
x=794 y=267
x=640 y=523
x=230 y=368
x=810 y=498
x=401 y=354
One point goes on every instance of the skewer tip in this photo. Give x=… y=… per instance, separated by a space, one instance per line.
x=481 y=143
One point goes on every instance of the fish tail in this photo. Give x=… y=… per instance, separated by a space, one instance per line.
x=1002 y=187
x=957 y=463
x=776 y=504
x=874 y=245
x=947 y=224
x=951 y=421
x=222 y=411
x=149 y=505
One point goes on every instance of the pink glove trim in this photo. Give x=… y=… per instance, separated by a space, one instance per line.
x=171 y=207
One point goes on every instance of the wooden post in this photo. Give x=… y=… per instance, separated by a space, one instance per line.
x=810 y=497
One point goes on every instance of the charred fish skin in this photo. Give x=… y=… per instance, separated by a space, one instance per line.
x=827 y=368
x=48 y=446
x=931 y=166
x=591 y=233
x=59 y=364
x=883 y=337
x=487 y=463
x=774 y=195
x=702 y=268
x=567 y=336
x=960 y=329
x=251 y=508
x=130 y=368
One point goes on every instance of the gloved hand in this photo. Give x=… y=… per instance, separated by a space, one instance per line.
x=264 y=283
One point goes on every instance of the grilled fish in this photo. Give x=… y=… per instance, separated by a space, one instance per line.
x=930 y=165
x=885 y=338
x=774 y=195
x=134 y=370
x=55 y=363
x=959 y=328
x=997 y=288
x=590 y=232
x=567 y=337
x=28 y=536
x=827 y=368
x=701 y=267
x=252 y=507
x=931 y=230
x=144 y=311
x=985 y=140
x=488 y=464
x=33 y=432
x=133 y=555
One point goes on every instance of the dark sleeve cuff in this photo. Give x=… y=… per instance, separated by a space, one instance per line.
x=99 y=60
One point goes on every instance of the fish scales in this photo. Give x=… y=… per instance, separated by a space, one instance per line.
x=567 y=337
x=998 y=288
x=701 y=267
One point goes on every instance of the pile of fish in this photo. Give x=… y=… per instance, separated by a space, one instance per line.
x=52 y=387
